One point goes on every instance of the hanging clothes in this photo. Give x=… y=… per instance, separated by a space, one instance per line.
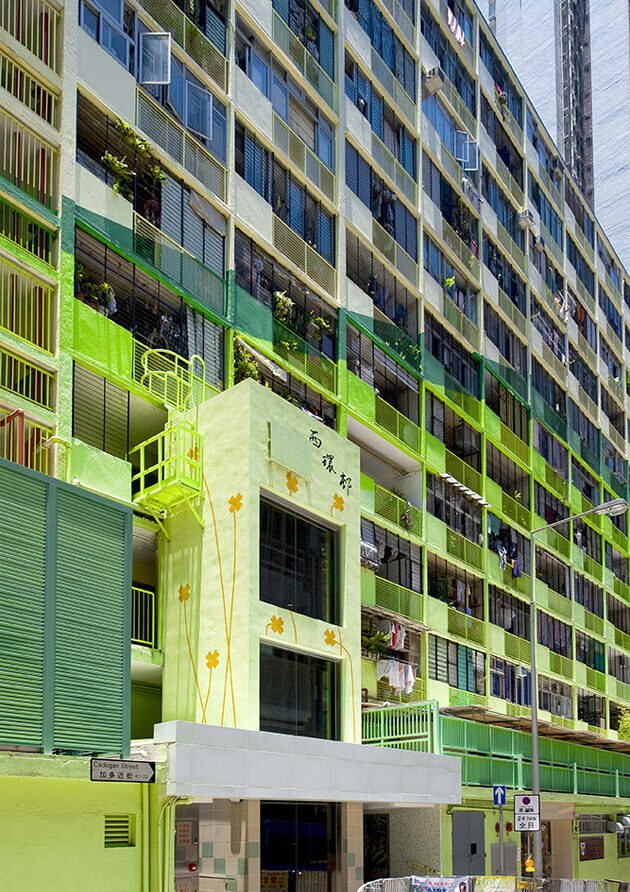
x=409 y=678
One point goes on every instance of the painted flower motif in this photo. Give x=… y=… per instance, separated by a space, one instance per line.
x=193 y=453
x=330 y=638
x=184 y=592
x=337 y=502
x=292 y=484
x=236 y=503
x=212 y=659
x=277 y=624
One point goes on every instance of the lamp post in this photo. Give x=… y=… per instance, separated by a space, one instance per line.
x=612 y=508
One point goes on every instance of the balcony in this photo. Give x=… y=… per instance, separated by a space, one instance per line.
x=30 y=91
x=170 y=470
x=26 y=233
x=304 y=358
x=442 y=538
x=398 y=425
x=415 y=727
x=389 y=247
x=143 y=617
x=468 y=628
x=26 y=380
x=23 y=441
x=291 y=46
x=383 y=503
x=504 y=437
x=449 y=92
x=193 y=42
x=304 y=159
x=461 y=322
x=167 y=133
x=461 y=250
x=26 y=306
x=511 y=247
x=394 y=170
x=393 y=87
x=391 y=596
x=510 y=182
x=34 y=24
x=302 y=255
x=446 y=462
x=28 y=162
x=512 y=312
x=179 y=265
x=552 y=246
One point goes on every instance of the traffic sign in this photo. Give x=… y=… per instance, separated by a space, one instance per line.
x=498 y=794
x=125 y=771
x=526 y=811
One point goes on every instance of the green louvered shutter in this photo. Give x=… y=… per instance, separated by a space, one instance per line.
x=92 y=653
x=22 y=598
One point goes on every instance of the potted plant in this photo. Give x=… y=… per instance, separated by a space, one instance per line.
x=130 y=138
x=244 y=363
x=282 y=307
x=317 y=323
x=375 y=644
x=120 y=172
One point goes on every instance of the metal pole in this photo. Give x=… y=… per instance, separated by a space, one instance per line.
x=537 y=835
x=501 y=852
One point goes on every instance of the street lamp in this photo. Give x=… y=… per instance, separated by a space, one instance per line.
x=613 y=508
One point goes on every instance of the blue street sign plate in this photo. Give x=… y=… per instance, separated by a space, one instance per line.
x=498 y=794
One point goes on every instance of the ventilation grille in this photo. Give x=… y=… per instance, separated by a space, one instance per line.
x=118 y=831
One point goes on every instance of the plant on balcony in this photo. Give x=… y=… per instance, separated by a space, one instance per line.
x=130 y=138
x=318 y=325
x=375 y=643
x=282 y=307
x=244 y=363
x=624 y=725
x=121 y=174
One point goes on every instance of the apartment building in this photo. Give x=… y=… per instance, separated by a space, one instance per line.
x=304 y=328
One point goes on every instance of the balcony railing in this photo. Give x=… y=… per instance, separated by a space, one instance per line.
x=398 y=599
x=159 y=126
x=389 y=247
x=27 y=161
x=401 y=17
x=509 y=181
x=463 y=472
x=397 y=510
x=467 y=627
x=461 y=322
x=394 y=170
x=176 y=381
x=583 y=242
x=307 y=64
x=398 y=425
x=26 y=380
x=29 y=90
x=415 y=727
x=304 y=256
x=22 y=441
x=463 y=549
x=173 y=261
x=511 y=247
x=512 y=312
x=460 y=249
x=449 y=92
x=295 y=149
x=143 y=617
x=26 y=306
x=185 y=33
x=25 y=232
x=34 y=24
x=393 y=86
x=303 y=357
x=552 y=245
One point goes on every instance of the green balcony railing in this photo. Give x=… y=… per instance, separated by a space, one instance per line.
x=398 y=599
x=26 y=233
x=143 y=617
x=26 y=306
x=418 y=724
x=397 y=510
x=303 y=256
x=463 y=472
x=467 y=627
x=463 y=549
x=303 y=357
x=24 y=379
x=397 y=424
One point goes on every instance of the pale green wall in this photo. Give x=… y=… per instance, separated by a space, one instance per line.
x=52 y=835
x=236 y=429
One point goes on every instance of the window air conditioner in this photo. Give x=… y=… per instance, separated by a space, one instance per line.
x=433 y=81
x=526 y=219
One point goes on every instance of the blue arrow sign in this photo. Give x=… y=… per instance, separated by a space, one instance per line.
x=498 y=794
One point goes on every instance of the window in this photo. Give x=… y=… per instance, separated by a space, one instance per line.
x=548 y=216
x=510 y=682
x=618 y=614
x=396 y=219
x=396 y=559
x=584 y=374
x=555 y=635
x=551 y=334
x=298 y=564
x=453 y=209
x=311 y=30
x=589 y=595
x=616 y=562
x=500 y=76
x=301 y=840
x=584 y=481
x=591 y=709
x=457 y=665
x=299 y=694
x=552 y=572
x=555 y=697
x=454 y=286
x=459 y=512
x=448 y=57
x=549 y=389
x=619 y=665
x=587 y=433
x=386 y=44
x=550 y=448
x=457 y=361
x=505 y=274
x=503 y=208
x=550 y=508
x=503 y=403
x=509 y=545
x=113 y=26
x=155 y=58
x=454 y=586
x=583 y=271
x=623 y=839
x=508 y=612
x=388 y=378
x=446 y=425
x=509 y=345
x=590 y=652
x=510 y=477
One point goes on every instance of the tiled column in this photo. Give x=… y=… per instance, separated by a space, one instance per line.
x=229 y=836
x=351 y=873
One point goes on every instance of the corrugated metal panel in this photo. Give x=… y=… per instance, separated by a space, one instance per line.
x=91 y=606
x=22 y=598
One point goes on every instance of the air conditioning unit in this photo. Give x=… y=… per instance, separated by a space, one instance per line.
x=526 y=219
x=433 y=81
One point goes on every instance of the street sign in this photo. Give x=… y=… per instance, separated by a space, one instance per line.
x=498 y=794
x=125 y=771
x=526 y=811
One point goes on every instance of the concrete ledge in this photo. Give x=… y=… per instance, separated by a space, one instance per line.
x=206 y=761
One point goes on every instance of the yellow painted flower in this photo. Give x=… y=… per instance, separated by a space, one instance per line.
x=236 y=503
x=330 y=637
x=277 y=624
x=292 y=484
x=338 y=502
x=212 y=659
x=193 y=453
x=184 y=592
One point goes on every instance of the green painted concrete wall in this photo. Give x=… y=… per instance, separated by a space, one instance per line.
x=254 y=440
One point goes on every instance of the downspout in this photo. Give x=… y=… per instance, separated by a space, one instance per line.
x=162 y=842
x=146 y=878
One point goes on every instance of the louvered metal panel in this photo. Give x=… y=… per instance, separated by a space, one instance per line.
x=92 y=627
x=22 y=598
x=117 y=831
